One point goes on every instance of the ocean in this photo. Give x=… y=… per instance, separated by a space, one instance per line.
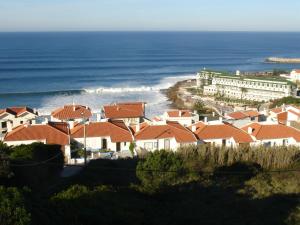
x=48 y=70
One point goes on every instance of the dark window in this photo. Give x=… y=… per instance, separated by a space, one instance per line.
x=223 y=142
x=21 y=122
x=118 y=145
x=104 y=144
x=4 y=124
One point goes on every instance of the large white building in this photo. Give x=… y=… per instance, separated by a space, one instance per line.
x=244 y=87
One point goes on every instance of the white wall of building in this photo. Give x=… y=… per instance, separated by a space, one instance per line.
x=157 y=144
x=276 y=142
x=95 y=143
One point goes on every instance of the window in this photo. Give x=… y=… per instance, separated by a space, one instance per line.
x=118 y=146
x=156 y=145
x=104 y=144
x=223 y=142
x=125 y=143
x=267 y=144
x=167 y=144
x=284 y=142
x=4 y=124
x=21 y=122
x=148 y=145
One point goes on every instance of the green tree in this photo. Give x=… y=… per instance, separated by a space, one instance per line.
x=4 y=161
x=12 y=207
x=199 y=107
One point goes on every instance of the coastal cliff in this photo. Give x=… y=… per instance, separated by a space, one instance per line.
x=282 y=60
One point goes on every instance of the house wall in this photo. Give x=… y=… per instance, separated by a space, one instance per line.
x=230 y=142
x=12 y=121
x=95 y=143
x=276 y=142
x=158 y=144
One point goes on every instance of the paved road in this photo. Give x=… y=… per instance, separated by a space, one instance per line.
x=71 y=170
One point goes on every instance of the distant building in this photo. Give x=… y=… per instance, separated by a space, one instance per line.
x=184 y=117
x=15 y=116
x=252 y=88
x=130 y=112
x=295 y=75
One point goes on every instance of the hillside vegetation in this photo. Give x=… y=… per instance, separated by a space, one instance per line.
x=196 y=185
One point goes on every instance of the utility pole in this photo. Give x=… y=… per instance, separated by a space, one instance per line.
x=84 y=141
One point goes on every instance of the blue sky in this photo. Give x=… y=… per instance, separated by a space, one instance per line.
x=199 y=15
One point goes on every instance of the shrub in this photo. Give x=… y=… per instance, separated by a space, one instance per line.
x=44 y=161
x=12 y=207
x=159 y=169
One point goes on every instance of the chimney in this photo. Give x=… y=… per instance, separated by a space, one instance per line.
x=221 y=119
x=98 y=117
x=194 y=128
x=283 y=107
x=9 y=126
x=213 y=114
x=180 y=113
x=250 y=130
x=137 y=128
x=288 y=123
x=71 y=123
x=205 y=119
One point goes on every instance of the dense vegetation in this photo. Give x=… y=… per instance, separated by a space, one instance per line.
x=196 y=185
x=286 y=100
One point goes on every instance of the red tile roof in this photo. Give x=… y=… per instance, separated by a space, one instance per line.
x=70 y=112
x=170 y=130
x=47 y=132
x=17 y=111
x=243 y=114
x=116 y=130
x=272 y=131
x=179 y=113
x=221 y=131
x=125 y=110
x=276 y=110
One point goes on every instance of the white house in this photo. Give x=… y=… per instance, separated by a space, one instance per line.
x=184 y=117
x=241 y=118
x=51 y=133
x=273 y=134
x=71 y=114
x=109 y=135
x=221 y=134
x=15 y=116
x=295 y=75
x=284 y=114
x=170 y=135
x=131 y=113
